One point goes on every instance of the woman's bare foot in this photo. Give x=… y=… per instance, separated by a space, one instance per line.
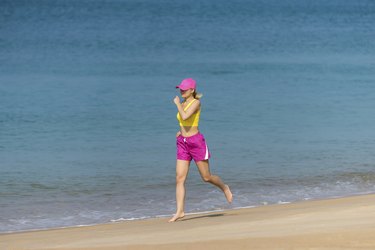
x=228 y=194
x=177 y=216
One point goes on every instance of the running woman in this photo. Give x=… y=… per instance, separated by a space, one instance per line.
x=191 y=144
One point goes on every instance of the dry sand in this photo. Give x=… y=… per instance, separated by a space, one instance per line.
x=344 y=223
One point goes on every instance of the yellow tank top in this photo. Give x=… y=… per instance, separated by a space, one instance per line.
x=193 y=120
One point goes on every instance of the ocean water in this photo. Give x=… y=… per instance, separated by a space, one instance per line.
x=87 y=120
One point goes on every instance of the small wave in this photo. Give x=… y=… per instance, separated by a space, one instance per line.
x=41 y=186
x=131 y=219
x=365 y=177
x=283 y=202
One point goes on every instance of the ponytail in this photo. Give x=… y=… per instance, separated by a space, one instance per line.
x=197 y=95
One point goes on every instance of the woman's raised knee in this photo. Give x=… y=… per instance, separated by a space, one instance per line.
x=206 y=178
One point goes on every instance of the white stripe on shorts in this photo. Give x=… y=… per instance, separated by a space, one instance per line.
x=206 y=156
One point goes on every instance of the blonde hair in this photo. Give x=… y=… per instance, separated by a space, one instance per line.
x=197 y=95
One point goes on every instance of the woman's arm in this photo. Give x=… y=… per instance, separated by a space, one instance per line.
x=191 y=110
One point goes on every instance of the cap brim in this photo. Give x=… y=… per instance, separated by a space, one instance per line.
x=178 y=87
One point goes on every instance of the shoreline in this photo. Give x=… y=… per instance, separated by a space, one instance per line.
x=121 y=220
x=168 y=216
x=329 y=223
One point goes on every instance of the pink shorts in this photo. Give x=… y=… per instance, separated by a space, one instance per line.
x=192 y=147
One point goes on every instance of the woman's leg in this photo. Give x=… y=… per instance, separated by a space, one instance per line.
x=204 y=170
x=182 y=170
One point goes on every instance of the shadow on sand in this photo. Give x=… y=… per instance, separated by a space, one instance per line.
x=203 y=216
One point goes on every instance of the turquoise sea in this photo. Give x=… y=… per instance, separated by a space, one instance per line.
x=88 y=124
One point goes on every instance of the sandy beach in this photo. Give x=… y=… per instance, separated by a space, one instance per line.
x=342 y=223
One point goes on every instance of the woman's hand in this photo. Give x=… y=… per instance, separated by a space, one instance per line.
x=176 y=100
x=178 y=134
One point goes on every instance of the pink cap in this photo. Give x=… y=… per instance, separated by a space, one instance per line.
x=187 y=83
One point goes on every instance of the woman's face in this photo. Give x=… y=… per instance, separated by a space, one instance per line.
x=186 y=93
